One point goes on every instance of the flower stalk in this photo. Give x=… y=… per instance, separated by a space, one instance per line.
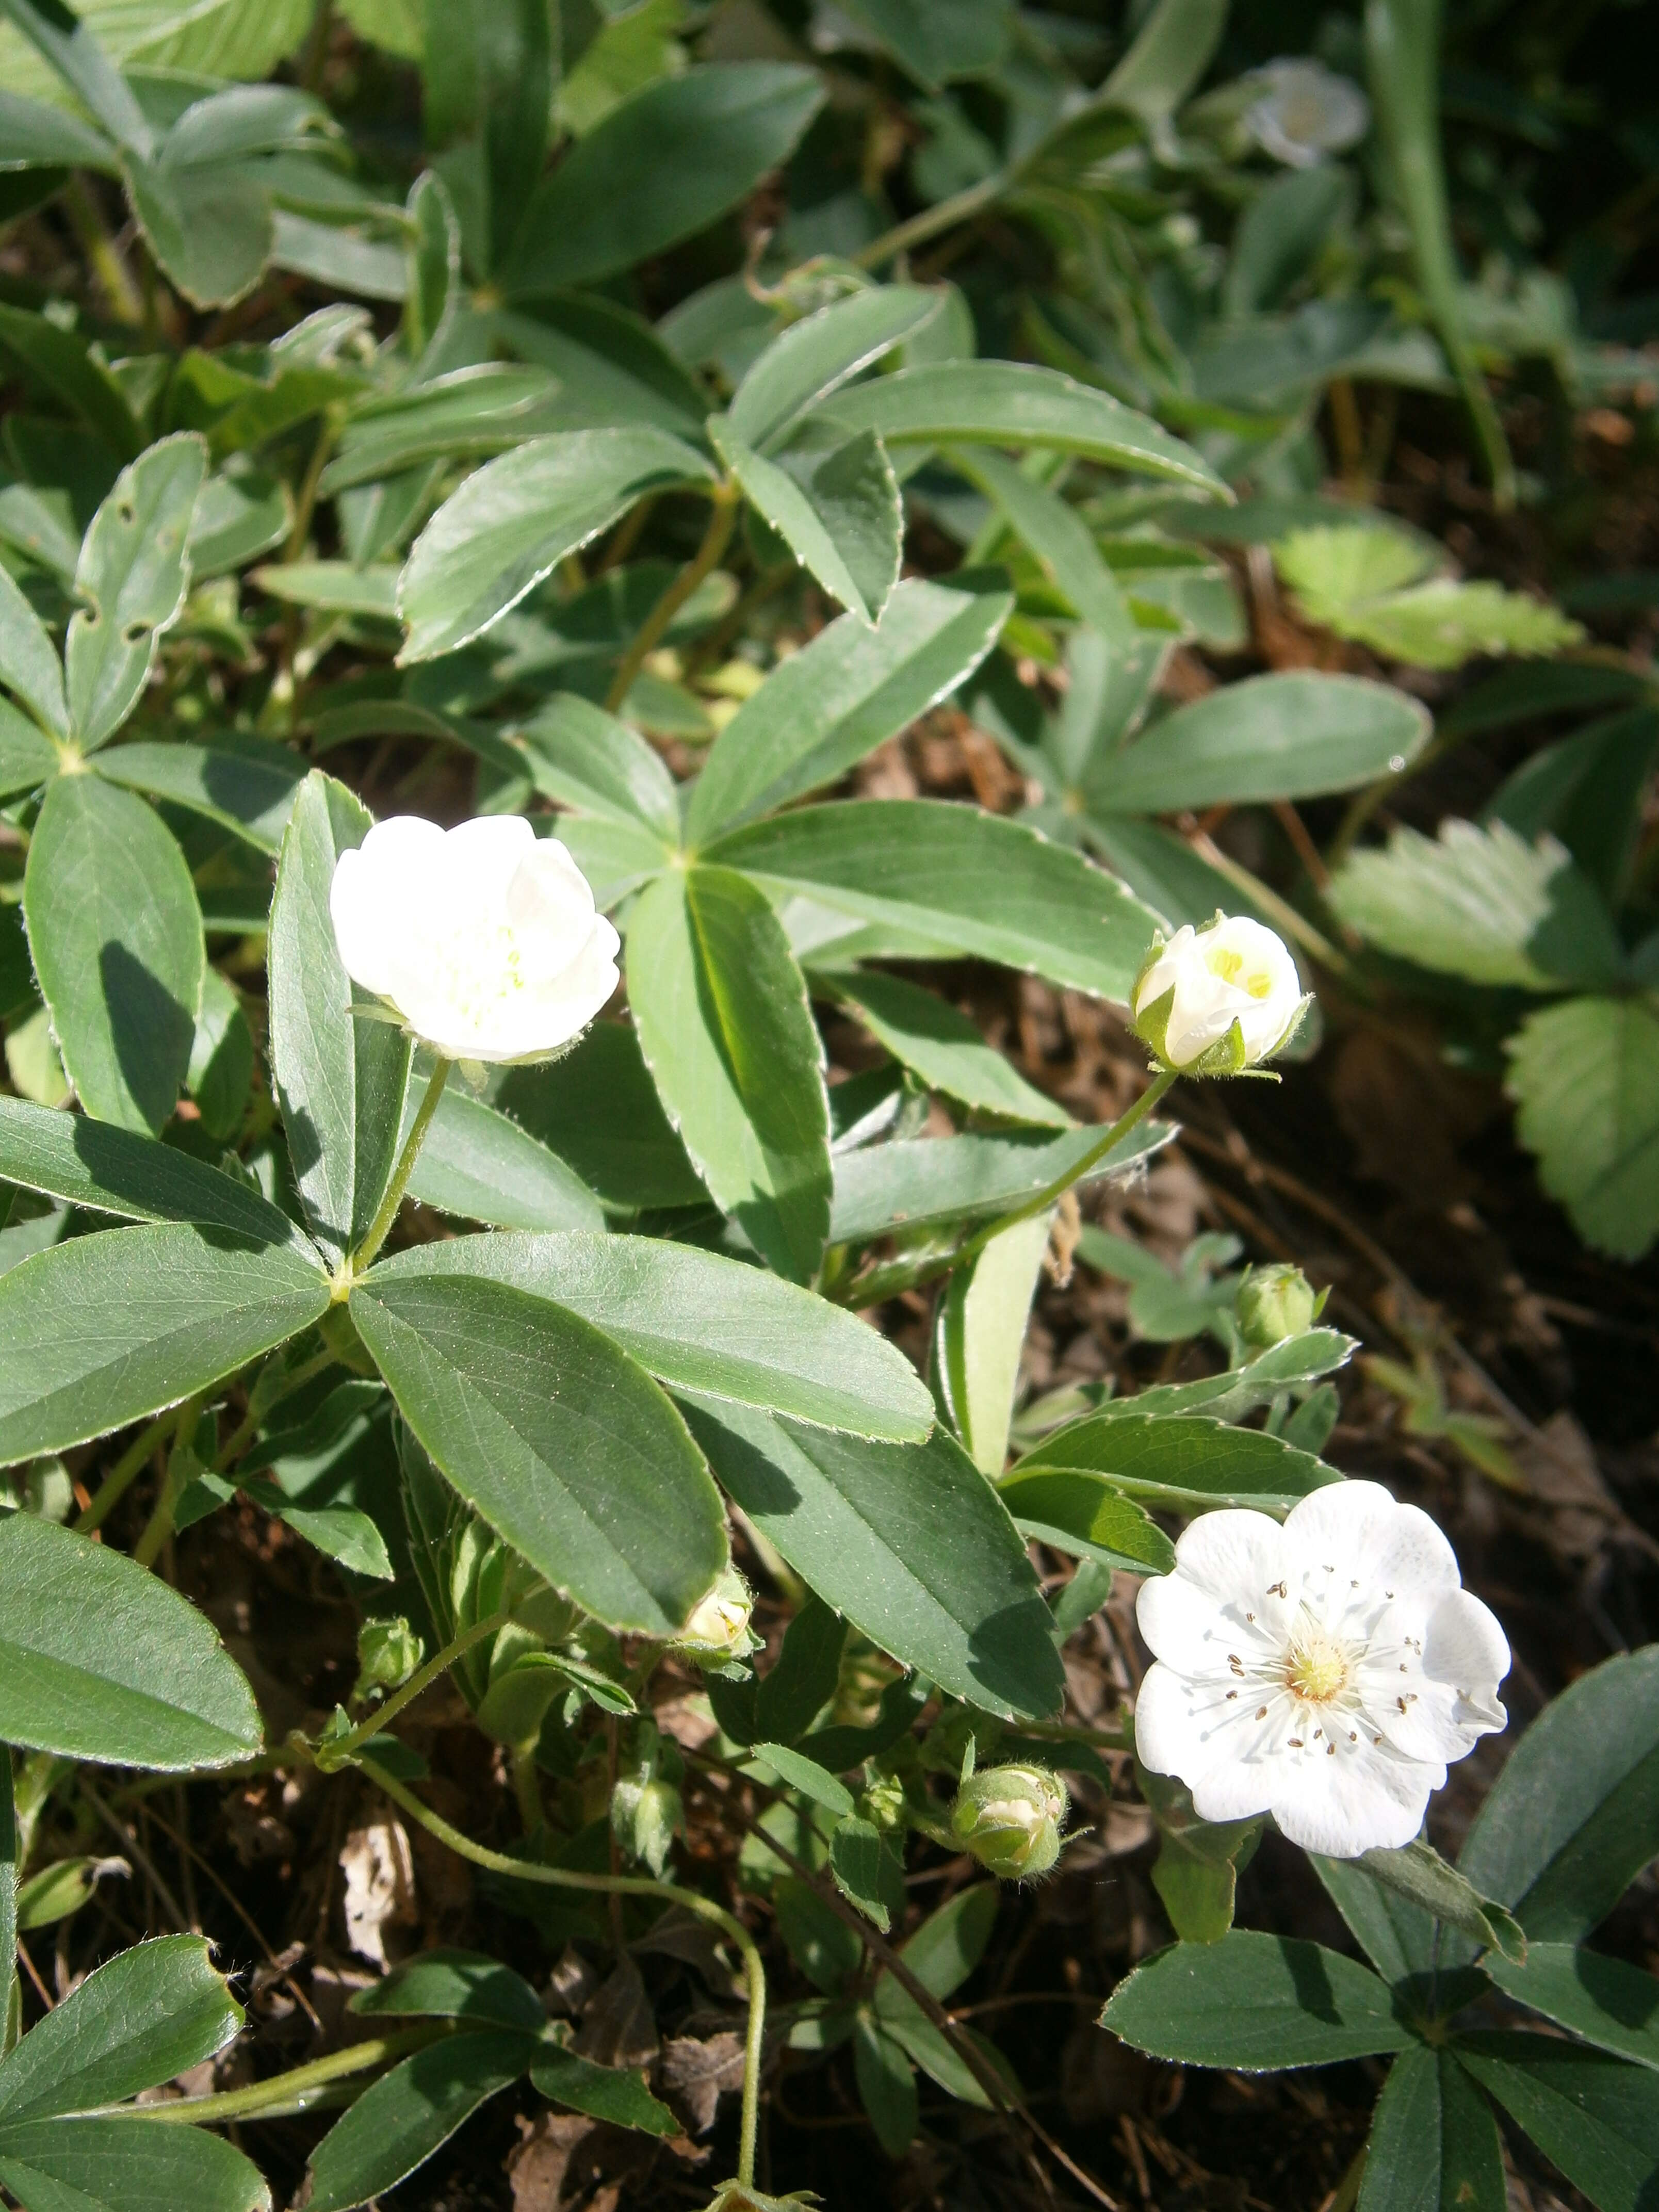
x=380 y=1228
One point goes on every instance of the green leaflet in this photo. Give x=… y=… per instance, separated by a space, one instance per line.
x=101 y=1660
x=340 y=1080
x=702 y=1322
x=514 y=521
x=1584 y=1075
x=116 y=934
x=132 y=575
x=722 y=1016
x=597 y=1484
x=1254 y=2002
x=102 y=1330
x=909 y=1541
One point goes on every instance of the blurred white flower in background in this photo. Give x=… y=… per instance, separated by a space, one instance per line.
x=1305 y=111
x=1216 y=999
x=1324 y=1671
x=483 y=939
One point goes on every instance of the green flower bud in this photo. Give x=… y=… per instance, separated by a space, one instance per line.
x=882 y=1803
x=643 y=1818
x=1010 y=1818
x=388 y=1652
x=719 y=1627
x=1275 y=1302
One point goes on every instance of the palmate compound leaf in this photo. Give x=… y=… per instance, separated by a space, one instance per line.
x=103 y=1330
x=1482 y=903
x=702 y=1322
x=1584 y=1076
x=1255 y=2003
x=101 y=1660
x=596 y=1482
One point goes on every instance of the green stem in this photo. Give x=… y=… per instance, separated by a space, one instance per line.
x=722 y=517
x=348 y=1747
x=305 y=503
x=126 y=302
x=287 y=2092
x=380 y=1228
x=526 y=1788
x=122 y=1476
x=620 y=1886
x=1057 y=1189
x=1402 y=52
x=961 y=1254
x=944 y=214
x=159 y=1527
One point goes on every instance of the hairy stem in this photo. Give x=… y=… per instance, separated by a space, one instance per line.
x=122 y=1476
x=899 y=1278
x=380 y=1228
x=944 y=215
x=722 y=517
x=621 y=1885
x=337 y=1754
x=289 y=2092
x=159 y=1527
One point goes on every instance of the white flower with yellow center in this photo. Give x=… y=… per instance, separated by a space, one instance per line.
x=1305 y=111
x=1324 y=1671
x=483 y=939
x=1221 y=998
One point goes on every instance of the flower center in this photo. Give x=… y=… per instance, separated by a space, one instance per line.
x=1229 y=966
x=1317 y=1670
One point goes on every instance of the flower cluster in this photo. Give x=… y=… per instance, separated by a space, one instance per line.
x=1324 y=1671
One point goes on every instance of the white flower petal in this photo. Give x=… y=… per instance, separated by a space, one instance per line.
x=1190 y=1730
x=1365 y=1797
x=1357 y=1530
x=373 y=890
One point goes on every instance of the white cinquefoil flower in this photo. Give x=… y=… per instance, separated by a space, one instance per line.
x=1324 y=1671
x=483 y=939
x=1305 y=111
x=1215 y=1000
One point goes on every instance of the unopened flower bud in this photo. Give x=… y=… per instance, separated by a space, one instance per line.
x=1274 y=1303
x=388 y=1652
x=1215 y=1000
x=719 y=1627
x=1010 y=1818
